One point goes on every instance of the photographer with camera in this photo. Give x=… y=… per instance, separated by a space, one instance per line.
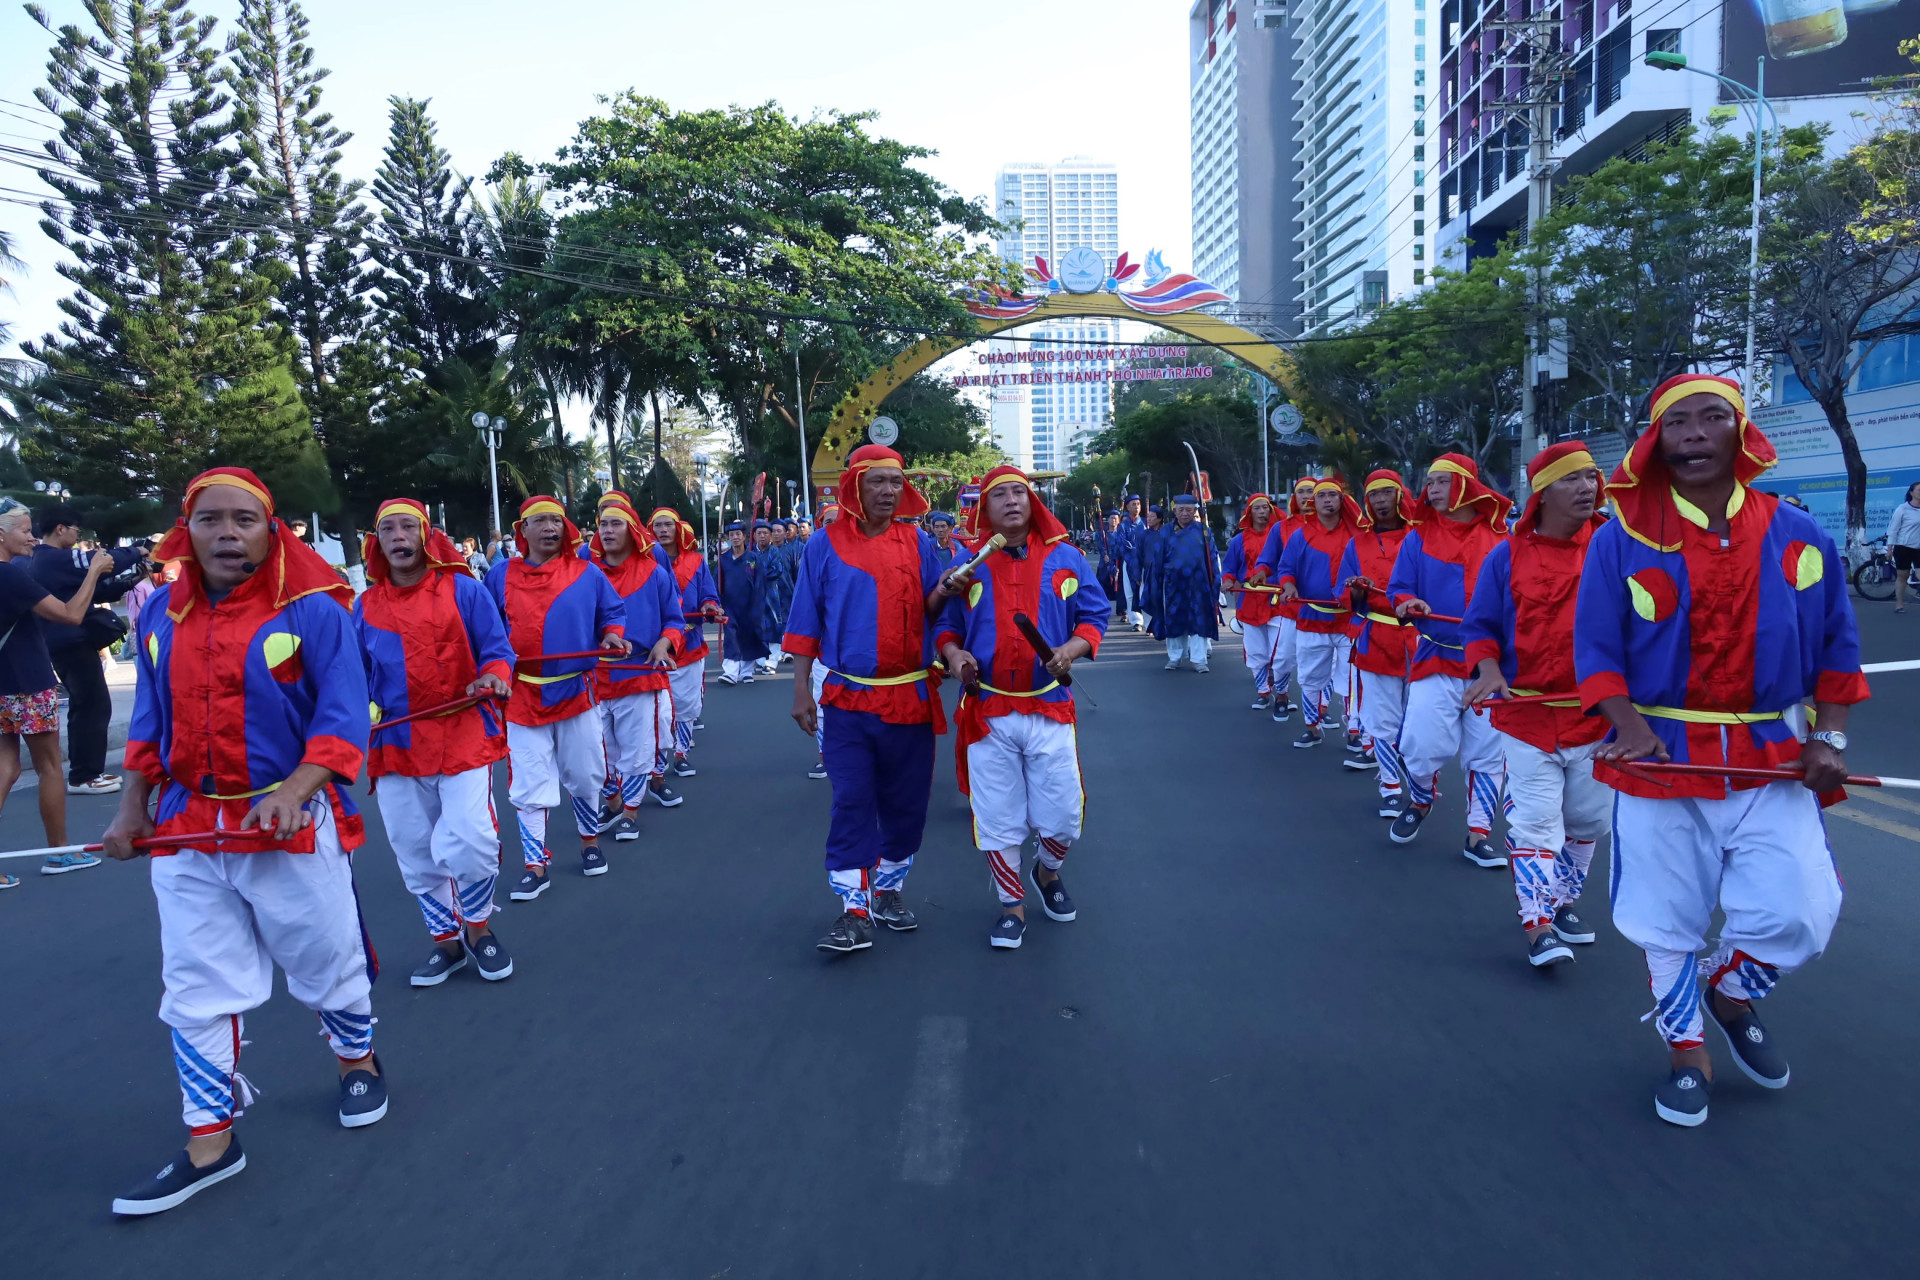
x=61 y=567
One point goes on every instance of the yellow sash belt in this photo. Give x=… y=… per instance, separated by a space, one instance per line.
x=911 y=677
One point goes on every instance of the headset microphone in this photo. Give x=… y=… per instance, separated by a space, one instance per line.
x=247 y=567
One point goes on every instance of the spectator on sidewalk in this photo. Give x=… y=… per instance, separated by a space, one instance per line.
x=28 y=707
x=61 y=567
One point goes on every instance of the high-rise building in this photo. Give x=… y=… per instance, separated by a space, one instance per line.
x=1246 y=238
x=1057 y=207
x=1361 y=110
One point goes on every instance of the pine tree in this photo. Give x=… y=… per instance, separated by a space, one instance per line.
x=170 y=359
x=434 y=292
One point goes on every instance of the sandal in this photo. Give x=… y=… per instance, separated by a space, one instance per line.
x=9 y=882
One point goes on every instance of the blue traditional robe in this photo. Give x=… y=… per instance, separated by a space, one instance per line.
x=743 y=595
x=1186 y=579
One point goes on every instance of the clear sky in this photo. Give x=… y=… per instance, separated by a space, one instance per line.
x=982 y=84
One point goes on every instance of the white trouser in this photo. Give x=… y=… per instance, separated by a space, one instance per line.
x=772 y=659
x=1555 y=814
x=1135 y=614
x=1194 y=647
x=689 y=687
x=737 y=668
x=544 y=758
x=1760 y=855
x=1320 y=655
x=1285 y=653
x=1024 y=775
x=1383 y=705
x=1262 y=641
x=639 y=730
x=225 y=920
x=1440 y=725
x=447 y=841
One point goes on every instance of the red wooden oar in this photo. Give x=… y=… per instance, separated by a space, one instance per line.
x=150 y=842
x=1761 y=775
x=445 y=708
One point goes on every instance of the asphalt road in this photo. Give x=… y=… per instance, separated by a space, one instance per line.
x=1274 y=1043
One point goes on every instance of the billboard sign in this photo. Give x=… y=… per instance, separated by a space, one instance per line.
x=1816 y=46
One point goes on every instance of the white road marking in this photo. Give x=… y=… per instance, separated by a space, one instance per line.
x=932 y=1127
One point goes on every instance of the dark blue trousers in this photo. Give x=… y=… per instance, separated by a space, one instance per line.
x=882 y=775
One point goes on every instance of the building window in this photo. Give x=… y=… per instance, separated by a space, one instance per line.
x=1420 y=26
x=1890 y=362
x=1419 y=226
x=1664 y=40
x=1420 y=76
x=1419 y=177
x=1419 y=102
x=1419 y=275
x=1420 y=53
x=1420 y=153
x=1419 y=204
x=1419 y=253
x=1420 y=127
x=1373 y=291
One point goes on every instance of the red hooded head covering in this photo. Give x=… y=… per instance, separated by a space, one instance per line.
x=542 y=505
x=292 y=567
x=1642 y=487
x=1403 y=502
x=687 y=540
x=1569 y=457
x=1044 y=524
x=442 y=555
x=1468 y=491
x=1246 y=513
x=619 y=505
x=913 y=503
x=828 y=513
x=1349 y=509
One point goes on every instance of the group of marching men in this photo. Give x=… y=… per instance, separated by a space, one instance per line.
x=755 y=575
x=1697 y=625
x=262 y=689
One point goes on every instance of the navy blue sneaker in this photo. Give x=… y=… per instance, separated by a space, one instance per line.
x=819 y=771
x=363 y=1096
x=1753 y=1049
x=1682 y=1100
x=490 y=955
x=180 y=1182
x=1390 y=806
x=1053 y=897
x=592 y=861
x=682 y=768
x=1548 y=947
x=1406 y=826
x=1480 y=852
x=1007 y=931
x=1571 y=925
x=440 y=966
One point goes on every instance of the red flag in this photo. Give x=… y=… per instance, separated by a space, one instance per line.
x=1203 y=488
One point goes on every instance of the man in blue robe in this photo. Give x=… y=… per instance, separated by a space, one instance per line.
x=1186 y=573
x=743 y=596
x=777 y=568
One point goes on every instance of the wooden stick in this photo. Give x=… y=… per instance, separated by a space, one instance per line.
x=445 y=708
x=1025 y=626
x=150 y=842
x=1764 y=775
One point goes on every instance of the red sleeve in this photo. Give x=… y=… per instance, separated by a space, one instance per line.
x=1092 y=635
x=1600 y=686
x=808 y=646
x=1481 y=649
x=335 y=754
x=504 y=670
x=143 y=758
x=1841 y=687
x=945 y=638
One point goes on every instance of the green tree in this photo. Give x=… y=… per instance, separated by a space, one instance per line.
x=170 y=359
x=711 y=247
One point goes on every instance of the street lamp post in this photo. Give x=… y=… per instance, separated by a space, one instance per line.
x=800 y=407
x=491 y=429
x=1754 y=95
x=700 y=470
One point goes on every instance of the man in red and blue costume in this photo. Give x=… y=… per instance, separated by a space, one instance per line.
x=1381 y=642
x=1460 y=521
x=1309 y=570
x=860 y=608
x=429 y=636
x=1018 y=756
x=1259 y=617
x=1519 y=633
x=1709 y=613
x=555 y=602
x=249 y=717
x=636 y=698
x=677 y=547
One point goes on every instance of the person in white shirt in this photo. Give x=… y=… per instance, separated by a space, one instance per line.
x=1903 y=540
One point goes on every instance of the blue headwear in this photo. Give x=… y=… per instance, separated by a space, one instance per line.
x=1185 y=500
x=761 y=524
x=736 y=525
x=940 y=517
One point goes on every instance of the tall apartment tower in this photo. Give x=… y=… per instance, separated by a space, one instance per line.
x=1246 y=234
x=1361 y=71
x=1058 y=207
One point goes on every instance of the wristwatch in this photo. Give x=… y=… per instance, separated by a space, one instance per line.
x=1832 y=737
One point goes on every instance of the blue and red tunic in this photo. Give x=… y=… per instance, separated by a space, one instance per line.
x=230 y=698
x=1380 y=642
x=1708 y=632
x=859 y=607
x=697 y=591
x=565 y=605
x=652 y=601
x=1521 y=616
x=1052 y=584
x=1311 y=562
x=1256 y=608
x=1439 y=562
x=422 y=646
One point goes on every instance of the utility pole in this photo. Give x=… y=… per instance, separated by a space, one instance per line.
x=1549 y=70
